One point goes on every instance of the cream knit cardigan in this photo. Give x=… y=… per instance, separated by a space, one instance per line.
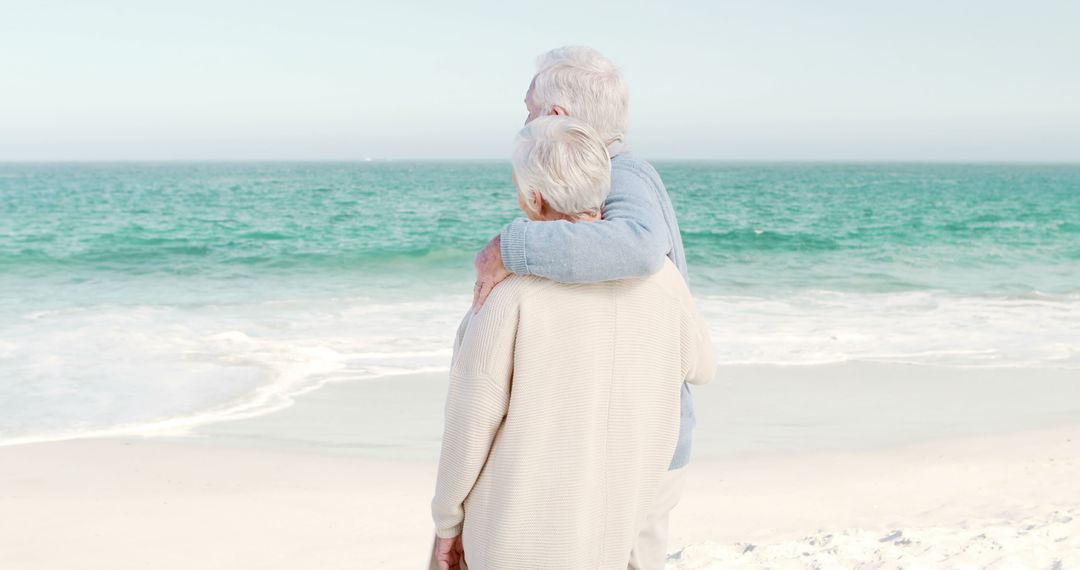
x=562 y=416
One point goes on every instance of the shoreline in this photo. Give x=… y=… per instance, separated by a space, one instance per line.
x=747 y=411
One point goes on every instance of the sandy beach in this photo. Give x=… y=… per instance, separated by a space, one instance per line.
x=912 y=475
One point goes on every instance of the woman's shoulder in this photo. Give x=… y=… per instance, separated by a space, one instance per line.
x=505 y=300
x=668 y=276
x=668 y=282
x=512 y=290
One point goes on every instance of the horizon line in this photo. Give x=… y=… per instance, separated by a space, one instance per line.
x=373 y=160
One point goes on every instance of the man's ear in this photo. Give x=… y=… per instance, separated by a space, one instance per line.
x=557 y=110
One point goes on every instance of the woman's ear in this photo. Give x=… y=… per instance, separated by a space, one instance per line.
x=557 y=110
x=537 y=202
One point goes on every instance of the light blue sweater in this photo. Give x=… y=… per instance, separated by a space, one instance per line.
x=638 y=229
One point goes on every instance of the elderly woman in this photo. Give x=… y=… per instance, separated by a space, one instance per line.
x=563 y=406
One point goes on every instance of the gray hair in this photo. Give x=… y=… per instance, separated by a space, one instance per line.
x=564 y=160
x=588 y=85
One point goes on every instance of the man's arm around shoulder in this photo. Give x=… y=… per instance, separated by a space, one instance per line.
x=631 y=240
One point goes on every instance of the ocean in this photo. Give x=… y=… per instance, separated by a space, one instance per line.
x=139 y=296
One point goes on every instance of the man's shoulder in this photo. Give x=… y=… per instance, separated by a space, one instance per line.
x=629 y=162
x=628 y=172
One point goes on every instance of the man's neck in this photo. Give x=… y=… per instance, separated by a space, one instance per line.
x=617 y=147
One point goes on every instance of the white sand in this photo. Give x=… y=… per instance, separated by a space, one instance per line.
x=128 y=504
x=991 y=502
x=116 y=505
x=278 y=492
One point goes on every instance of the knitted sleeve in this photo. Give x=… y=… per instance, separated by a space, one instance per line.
x=699 y=358
x=476 y=404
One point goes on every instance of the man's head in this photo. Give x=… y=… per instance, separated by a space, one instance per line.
x=562 y=170
x=579 y=82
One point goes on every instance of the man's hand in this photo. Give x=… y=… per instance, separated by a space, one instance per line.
x=489 y=272
x=449 y=553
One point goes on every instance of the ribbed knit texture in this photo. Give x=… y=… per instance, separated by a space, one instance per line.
x=562 y=416
x=638 y=231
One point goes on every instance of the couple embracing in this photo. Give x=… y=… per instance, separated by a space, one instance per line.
x=568 y=417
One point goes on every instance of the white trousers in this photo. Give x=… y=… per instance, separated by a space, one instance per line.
x=650 y=548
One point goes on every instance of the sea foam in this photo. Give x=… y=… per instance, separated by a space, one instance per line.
x=113 y=369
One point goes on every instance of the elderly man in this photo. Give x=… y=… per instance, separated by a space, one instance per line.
x=637 y=233
x=563 y=406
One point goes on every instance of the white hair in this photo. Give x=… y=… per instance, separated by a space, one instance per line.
x=588 y=85
x=564 y=160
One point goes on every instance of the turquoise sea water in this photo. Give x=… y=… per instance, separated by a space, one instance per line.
x=177 y=293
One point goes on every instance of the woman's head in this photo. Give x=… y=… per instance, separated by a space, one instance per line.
x=562 y=169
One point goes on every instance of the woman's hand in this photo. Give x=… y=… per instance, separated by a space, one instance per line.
x=449 y=553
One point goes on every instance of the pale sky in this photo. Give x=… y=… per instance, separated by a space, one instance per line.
x=751 y=80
